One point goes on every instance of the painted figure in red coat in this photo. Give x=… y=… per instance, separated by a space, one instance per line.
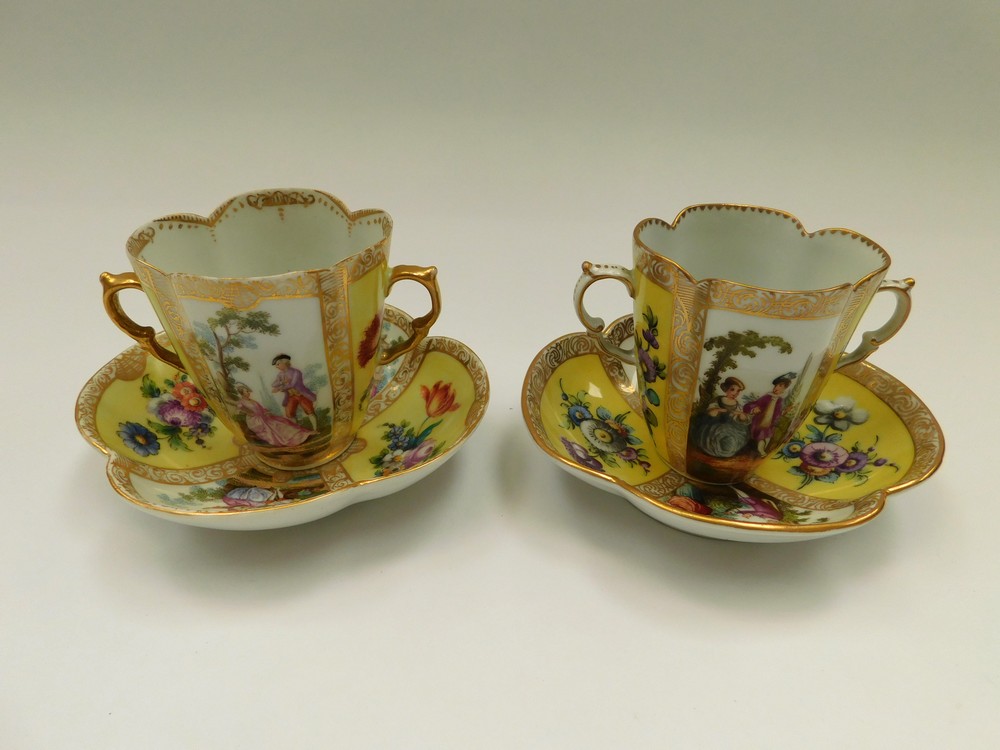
x=766 y=411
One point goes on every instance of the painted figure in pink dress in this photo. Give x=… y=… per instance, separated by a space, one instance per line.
x=270 y=428
x=291 y=383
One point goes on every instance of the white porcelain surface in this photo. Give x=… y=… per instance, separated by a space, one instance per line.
x=500 y=604
x=168 y=470
x=869 y=436
x=734 y=350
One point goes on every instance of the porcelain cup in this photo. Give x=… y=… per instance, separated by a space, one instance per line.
x=740 y=315
x=272 y=307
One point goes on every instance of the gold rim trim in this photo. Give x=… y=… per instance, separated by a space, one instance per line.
x=745 y=208
x=743 y=298
x=333 y=475
x=928 y=438
x=258 y=200
x=916 y=417
x=131 y=364
x=248 y=293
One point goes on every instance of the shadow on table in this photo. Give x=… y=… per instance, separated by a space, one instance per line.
x=253 y=567
x=635 y=555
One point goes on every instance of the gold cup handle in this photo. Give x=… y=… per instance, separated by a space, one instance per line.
x=593 y=272
x=872 y=340
x=143 y=335
x=427 y=277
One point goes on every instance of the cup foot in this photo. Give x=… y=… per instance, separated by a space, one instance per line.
x=706 y=469
x=297 y=460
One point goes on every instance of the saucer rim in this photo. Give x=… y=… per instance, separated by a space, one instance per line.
x=89 y=430
x=472 y=363
x=633 y=493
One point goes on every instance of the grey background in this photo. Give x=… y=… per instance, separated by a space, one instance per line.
x=500 y=603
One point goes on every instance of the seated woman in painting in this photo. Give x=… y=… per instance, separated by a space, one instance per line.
x=723 y=429
x=269 y=428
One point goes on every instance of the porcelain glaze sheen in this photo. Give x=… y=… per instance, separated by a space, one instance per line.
x=419 y=411
x=867 y=436
x=741 y=316
x=273 y=307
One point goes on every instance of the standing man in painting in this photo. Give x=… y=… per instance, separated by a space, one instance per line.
x=767 y=410
x=297 y=395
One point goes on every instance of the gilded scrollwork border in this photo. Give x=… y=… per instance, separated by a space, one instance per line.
x=687 y=338
x=194 y=475
x=473 y=365
x=928 y=438
x=914 y=414
x=131 y=364
x=719 y=294
x=278 y=200
x=336 y=319
x=566 y=348
x=244 y=294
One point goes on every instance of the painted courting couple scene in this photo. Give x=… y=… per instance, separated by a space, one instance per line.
x=279 y=409
x=732 y=423
x=281 y=430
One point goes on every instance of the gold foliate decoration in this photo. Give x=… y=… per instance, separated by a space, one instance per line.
x=280 y=198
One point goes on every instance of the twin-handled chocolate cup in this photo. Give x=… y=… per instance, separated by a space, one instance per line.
x=740 y=317
x=273 y=311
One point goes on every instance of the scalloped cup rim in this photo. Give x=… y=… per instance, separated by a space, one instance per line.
x=210 y=221
x=744 y=207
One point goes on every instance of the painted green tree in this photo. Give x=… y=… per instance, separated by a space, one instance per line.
x=727 y=348
x=224 y=334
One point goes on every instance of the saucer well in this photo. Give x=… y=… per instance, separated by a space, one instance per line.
x=868 y=436
x=421 y=408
